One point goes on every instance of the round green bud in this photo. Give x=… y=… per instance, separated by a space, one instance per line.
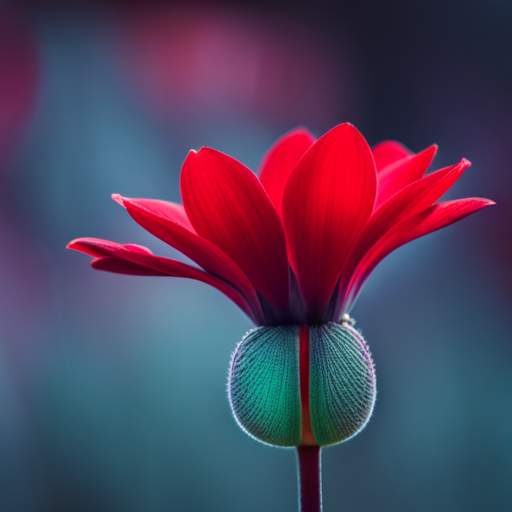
x=265 y=383
x=342 y=384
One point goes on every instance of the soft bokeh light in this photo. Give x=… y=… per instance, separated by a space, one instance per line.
x=113 y=389
x=18 y=78
x=206 y=62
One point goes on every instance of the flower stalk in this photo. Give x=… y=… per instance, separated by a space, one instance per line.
x=308 y=452
x=310 y=478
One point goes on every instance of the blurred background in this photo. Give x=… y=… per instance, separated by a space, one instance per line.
x=113 y=388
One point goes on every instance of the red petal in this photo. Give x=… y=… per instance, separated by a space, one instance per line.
x=404 y=205
x=98 y=248
x=172 y=211
x=327 y=200
x=397 y=175
x=169 y=222
x=387 y=152
x=432 y=219
x=119 y=266
x=442 y=215
x=228 y=206
x=280 y=160
x=141 y=260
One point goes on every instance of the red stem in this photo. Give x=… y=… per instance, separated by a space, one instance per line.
x=310 y=480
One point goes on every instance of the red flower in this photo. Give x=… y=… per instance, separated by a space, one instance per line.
x=296 y=245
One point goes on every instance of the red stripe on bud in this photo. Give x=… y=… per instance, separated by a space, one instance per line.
x=307 y=439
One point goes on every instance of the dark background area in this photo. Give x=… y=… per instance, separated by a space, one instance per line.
x=113 y=389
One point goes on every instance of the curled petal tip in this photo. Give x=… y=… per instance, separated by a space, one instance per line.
x=198 y=156
x=465 y=163
x=118 y=198
x=346 y=124
x=78 y=243
x=432 y=149
x=191 y=155
x=205 y=153
x=194 y=155
x=205 y=150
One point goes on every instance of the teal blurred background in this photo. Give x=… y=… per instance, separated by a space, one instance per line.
x=113 y=388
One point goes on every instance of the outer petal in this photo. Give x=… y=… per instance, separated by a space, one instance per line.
x=228 y=206
x=389 y=151
x=442 y=215
x=119 y=266
x=404 y=205
x=397 y=175
x=169 y=222
x=327 y=200
x=432 y=219
x=166 y=209
x=137 y=260
x=281 y=159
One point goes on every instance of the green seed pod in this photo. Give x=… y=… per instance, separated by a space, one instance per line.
x=265 y=383
x=342 y=385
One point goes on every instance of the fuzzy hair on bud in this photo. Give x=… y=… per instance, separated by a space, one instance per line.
x=265 y=392
x=342 y=383
x=264 y=385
